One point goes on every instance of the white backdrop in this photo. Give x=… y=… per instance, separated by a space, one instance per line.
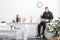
x=25 y=8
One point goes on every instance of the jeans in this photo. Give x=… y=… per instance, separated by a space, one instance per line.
x=39 y=27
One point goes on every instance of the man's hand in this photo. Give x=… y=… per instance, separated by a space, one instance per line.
x=41 y=15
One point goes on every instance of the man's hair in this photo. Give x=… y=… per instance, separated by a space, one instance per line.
x=46 y=7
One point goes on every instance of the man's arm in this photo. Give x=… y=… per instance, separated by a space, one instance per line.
x=50 y=16
x=42 y=16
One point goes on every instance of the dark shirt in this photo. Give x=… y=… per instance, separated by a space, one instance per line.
x=47 y=15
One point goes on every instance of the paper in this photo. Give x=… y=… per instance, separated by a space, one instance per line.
x=44 y=20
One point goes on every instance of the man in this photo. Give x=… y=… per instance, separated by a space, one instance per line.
x=48 y=16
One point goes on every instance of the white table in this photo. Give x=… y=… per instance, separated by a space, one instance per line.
x=10 y=33
x=31 y=26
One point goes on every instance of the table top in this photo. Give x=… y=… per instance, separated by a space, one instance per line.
x=7 y=30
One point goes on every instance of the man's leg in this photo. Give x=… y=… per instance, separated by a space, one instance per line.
x=44 y=26
x=39 y=27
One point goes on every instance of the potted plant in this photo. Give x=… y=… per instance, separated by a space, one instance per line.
x=53 y=28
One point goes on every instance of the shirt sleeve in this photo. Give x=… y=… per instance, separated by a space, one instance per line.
x=51 y=16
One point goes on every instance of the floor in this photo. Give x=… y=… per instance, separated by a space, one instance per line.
x=28 y=39
x=35 y=39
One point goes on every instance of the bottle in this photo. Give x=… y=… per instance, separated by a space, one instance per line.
x=31 y=19
x=17 y=18
x=24 y=20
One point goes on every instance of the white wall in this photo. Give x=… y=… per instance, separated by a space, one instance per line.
x=59 y=7
x=55 y=9
x=25 y=8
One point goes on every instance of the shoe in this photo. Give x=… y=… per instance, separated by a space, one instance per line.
x=42 y=33
x=38 y=35
x=44 y=38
